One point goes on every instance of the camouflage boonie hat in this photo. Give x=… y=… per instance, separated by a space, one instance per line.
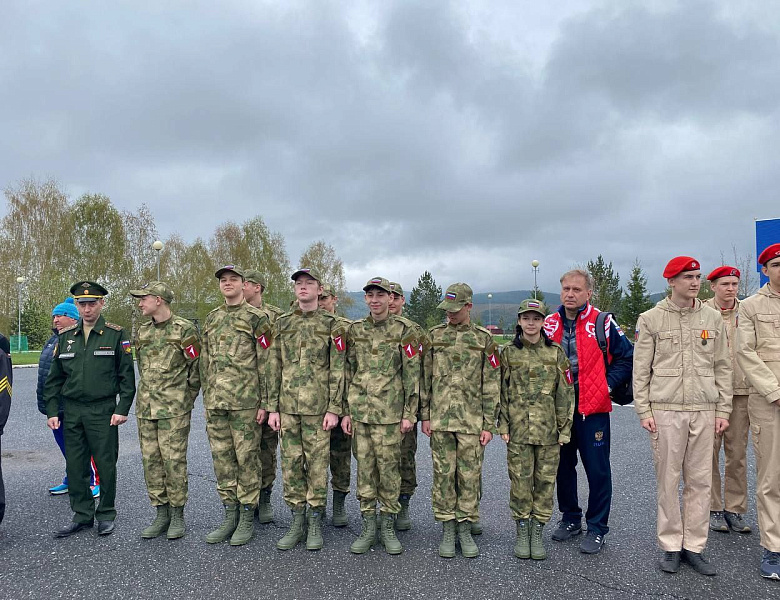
x=396 y=288
x=254 y=276
x=456 y=297
x=327 y=290
x=378 y=282
x=87 y=291
x=237 y=270
x=307 y=271
x=154 y=288
x=531 y=305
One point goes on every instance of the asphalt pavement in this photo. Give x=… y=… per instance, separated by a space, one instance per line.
x=35 y=565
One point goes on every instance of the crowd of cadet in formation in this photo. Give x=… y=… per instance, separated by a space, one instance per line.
x=325 y=389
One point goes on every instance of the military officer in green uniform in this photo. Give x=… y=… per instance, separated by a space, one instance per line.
x=93 y=362
x=340 y=443
x=254 y=286
x=168 y=351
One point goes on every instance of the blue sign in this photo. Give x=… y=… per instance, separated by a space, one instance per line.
x=767 y=233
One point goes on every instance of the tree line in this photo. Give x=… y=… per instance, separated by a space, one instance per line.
x=53 y=241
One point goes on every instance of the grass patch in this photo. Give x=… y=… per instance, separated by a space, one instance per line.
x=26 y=358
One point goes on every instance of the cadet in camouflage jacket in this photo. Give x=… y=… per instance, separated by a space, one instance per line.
x=459 y=410
x=383 y=383
x=535 y=418
x=167 y=350
x=234 y=351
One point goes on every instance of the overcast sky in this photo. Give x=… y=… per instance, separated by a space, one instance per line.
x=466 y=138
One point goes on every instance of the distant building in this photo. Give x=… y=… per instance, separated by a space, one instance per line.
x=495 y=330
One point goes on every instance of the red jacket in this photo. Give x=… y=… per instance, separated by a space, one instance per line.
x=593 y=389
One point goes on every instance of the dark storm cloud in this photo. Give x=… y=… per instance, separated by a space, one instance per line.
x=405 y=135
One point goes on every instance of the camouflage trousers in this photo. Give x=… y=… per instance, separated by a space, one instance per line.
x=164 y=453
x=305 y=453
x=234 y=436
x=378 y=455
x=269 y=440
x=532 y=471
x=408 y=461
x=340 y=459
x=457 y=475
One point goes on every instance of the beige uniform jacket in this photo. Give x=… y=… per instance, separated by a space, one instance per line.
x=758 y=351
x=731 y=320
x=681 y=360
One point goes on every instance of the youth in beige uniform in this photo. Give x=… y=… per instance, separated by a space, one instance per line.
x=724 y=281
x=682 y=394
x=758 y=353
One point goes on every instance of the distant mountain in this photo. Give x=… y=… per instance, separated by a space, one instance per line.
x=501 y=310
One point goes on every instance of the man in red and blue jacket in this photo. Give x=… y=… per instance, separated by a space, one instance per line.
x=573 y=326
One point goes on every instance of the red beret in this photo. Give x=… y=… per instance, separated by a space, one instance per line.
x=769 y=253
x=724 y=271
x=679 y=264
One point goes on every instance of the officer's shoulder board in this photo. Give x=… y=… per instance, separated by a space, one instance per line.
x=71 y=328
x=113 y=326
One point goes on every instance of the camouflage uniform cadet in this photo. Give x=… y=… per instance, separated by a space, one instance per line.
x=340 y=442
x=269 y=439
x=459 y=410
x=383 y=381
x=408 y=440
x=167 y=350
x=234 y=352
x=537 y=405
x=306 y=381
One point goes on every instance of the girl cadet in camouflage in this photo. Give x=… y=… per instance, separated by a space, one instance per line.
x=535 y=418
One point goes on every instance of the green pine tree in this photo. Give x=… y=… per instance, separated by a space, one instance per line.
x=607 y=293
x=637 y=300
x=423 y=302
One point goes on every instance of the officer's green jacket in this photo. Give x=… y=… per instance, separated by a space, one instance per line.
x=383 y=371
x=460 y=379
x=306 y=369
x=168 y=353
x=97 y=370
x=537 y=399
x=233 y=357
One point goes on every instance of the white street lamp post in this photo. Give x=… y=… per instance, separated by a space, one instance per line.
x=20 y=282
x=158 y=246
x=490 y=309
x=535 y=265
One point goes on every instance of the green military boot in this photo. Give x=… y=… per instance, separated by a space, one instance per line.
x=339 y=512
x=314 y=535
x=523 y=544
x=296 y=532
x=228 y=526
x=265 y=510
x=468 y=547
x=387 y=535
x=160 y=523
x=367 y=535
x=476 y=527
x=447 y=546
x=537 y=546
x=176 y=528
x=246 y=526
x=402 y=520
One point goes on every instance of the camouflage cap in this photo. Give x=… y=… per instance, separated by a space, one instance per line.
x=396 y=288
x=87 y=291
x=307 y=271
x=254 y=276
x=378 y=282
x=532 y=305
x=154 y=288
x=235 y=269
x=456 y=297
x=327 y=290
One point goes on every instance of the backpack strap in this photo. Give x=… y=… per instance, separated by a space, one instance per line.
x=601 y=336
